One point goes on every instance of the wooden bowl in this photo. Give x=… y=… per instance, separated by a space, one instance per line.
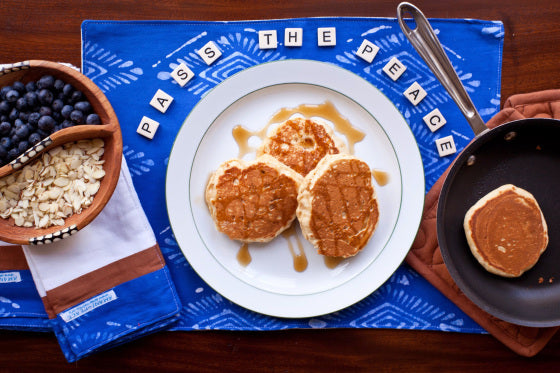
x=109 y=131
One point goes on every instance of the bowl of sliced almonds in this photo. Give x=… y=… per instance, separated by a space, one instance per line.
x=60 y=152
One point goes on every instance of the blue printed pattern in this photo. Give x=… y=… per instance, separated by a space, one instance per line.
x=129 y=61
x=406 y=300
x=124 y=312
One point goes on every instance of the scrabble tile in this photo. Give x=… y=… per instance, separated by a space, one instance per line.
x=446 y=146
x=161 y=101
x=415 y=93
x=434 y=120
x=326 y=36
x=268 y=39
x=367 y=51
x=209 y=53
x=293 y=37
x=182 y=74
x=147 y=127
x=394 y=68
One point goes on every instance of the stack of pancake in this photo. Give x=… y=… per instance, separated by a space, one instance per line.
x=302 y=170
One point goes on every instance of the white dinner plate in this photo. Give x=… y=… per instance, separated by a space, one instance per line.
x=270 y=284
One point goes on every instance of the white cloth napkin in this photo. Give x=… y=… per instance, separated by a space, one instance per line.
x=107 y=283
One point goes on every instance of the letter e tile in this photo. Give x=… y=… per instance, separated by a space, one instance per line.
x=326 y=36
x=161 y=101
x=415 y=93
x=446 y=146
x=394 y=68
x=147 y=127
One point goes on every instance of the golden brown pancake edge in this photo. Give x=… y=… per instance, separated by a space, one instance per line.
x=249 y=209
x=346 y=232
x=506 y=231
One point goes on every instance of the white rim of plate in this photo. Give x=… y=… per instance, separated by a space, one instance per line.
x=356 y=89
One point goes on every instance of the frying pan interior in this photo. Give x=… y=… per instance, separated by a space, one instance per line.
x=525 y=153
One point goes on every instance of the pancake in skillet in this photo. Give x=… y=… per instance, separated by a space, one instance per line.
x=253 y=201
x=337 y=206
x=301 y=143
x=506 y=231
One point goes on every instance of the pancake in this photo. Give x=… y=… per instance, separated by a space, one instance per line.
x=337 y=206
x=301 y=143
x=253 y=201
x=506 y=231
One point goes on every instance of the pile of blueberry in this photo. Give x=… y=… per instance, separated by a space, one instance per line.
x=30 y=112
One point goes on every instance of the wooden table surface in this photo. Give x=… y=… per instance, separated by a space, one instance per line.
x=50 y=30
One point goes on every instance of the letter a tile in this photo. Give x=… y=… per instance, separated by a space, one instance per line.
x=415 y=93
x=161 y=101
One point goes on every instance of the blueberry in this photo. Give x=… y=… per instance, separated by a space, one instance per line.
x=18 y=122
x=66 y=110
x=12 y=154
x=31 y=86
x=6 y=142
x=14 y=139
x=46 y=123
x=58 y=85
x=34 y=118
x=32 y=99
x=14 y=114
x=24 y=115
x=68 y=90
x=23 y=146
x=34 y=138
x=57 y=105
x=12 y=95
x=22 y=131
x=19 y=86
x=46 y=82
x=5 y=90
x=5 y=107
x=45 y=110
x=5 y=128
x=77 y=116
x=57 y=117
x=83 y=106
x=3 y=152
x=93 y=119
x=76 y=97
x=45 y=97
x=66 y=123
x=21 y=104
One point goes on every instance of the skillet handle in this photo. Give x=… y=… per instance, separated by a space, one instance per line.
x=426 y=43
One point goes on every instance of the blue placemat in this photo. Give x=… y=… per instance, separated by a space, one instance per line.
x=129 y=61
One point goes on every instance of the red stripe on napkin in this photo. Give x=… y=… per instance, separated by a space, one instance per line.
x=102 y=279
x=12 y=258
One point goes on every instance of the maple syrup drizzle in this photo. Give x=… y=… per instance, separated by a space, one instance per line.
x=332 y=262
x=326 y=111
x=299 y=259
x=381 y=177
x=243 y=255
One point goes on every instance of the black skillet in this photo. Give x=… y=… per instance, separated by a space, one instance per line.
x=525 y=153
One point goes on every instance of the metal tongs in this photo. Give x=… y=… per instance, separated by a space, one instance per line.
x=426 y=43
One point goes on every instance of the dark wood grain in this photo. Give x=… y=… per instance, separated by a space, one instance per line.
x=50 y=30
